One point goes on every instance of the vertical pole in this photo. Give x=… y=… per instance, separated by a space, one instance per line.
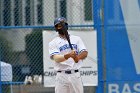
x=103 y=45
x=0 y=68
x=98 y=16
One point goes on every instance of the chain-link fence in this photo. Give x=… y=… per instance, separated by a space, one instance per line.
x=21 y=43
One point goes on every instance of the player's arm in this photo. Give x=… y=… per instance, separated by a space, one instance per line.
x=61 y=58
x=58 y=58
x=82 y=55
x=83 y=51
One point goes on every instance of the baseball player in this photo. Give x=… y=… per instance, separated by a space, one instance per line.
x=67 y=61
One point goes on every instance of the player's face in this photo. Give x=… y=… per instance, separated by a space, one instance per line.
x=59 y=26
x=59 y=29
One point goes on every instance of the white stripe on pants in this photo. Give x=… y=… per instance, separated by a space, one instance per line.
x=68 y=83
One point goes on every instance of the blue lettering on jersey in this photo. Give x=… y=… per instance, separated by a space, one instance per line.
x=66 y=46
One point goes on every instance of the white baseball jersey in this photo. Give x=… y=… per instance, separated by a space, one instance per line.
x=60 y=45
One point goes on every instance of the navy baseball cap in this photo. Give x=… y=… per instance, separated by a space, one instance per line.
x=60 y=20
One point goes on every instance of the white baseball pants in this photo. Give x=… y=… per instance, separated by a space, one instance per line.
x=68 y=83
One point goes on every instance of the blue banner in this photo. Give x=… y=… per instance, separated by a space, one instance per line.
x=119 y=46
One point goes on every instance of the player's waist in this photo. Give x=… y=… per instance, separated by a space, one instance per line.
x=68 y=71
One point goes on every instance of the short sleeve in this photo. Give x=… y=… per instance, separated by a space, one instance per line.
x=53 y=50
x=81 y=46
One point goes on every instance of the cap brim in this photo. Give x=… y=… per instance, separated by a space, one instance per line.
x=57 y=23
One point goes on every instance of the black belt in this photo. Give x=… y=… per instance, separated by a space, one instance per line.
x=69 y=71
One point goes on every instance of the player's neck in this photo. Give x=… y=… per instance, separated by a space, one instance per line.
x=62 y=36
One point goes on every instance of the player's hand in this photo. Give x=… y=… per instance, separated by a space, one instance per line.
x=71 y=54
x=76 y=59
x=74 y=56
